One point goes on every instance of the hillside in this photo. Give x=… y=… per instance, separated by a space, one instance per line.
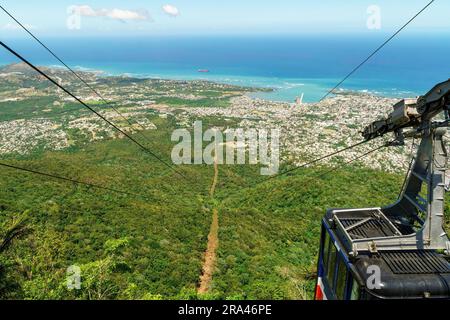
x=152 y=245
x=268 y=234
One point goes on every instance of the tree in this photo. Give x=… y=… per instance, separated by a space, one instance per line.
x=99 y=278
x=9 y=232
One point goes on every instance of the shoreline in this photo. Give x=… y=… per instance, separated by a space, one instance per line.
x=275 y=89
x=309 y=129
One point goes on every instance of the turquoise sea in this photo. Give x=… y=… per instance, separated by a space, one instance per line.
x=410 y=65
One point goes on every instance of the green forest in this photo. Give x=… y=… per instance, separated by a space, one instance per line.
x=151 y=245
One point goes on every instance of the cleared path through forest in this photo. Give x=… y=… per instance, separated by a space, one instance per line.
x=213 y=240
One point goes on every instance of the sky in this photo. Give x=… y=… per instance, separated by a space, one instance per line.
x=220 y=17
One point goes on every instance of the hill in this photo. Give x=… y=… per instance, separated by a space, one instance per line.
x=151 y=242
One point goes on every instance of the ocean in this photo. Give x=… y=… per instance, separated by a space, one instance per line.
x=292 y=65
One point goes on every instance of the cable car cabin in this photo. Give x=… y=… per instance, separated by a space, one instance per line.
x=400 y=251
x=391 y=274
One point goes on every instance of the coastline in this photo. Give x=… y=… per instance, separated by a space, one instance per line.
x=283 y=90
x=275 y=89
x=308 y=129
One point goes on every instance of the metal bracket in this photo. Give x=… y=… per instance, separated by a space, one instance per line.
x=373 y=247
x=446 y=112
x=354 y=252
x=399 y=137
x=447 y=180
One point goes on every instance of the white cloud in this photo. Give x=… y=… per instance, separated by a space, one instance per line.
x=125 y=14
x=84 y=10
x=116 y=14
x=171 y=10
x=11 y=27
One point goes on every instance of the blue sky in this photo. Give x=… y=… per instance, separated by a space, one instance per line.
x=210 y=17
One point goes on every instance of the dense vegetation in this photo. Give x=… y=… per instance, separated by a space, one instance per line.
x=270 y=234
x=68 y=224
x=151 y=245
x=129 y=247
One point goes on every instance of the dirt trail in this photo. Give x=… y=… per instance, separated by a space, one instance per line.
x=213 y=241
x=216 y=176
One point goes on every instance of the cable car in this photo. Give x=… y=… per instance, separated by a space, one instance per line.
x=401 y=274
x=400 y=251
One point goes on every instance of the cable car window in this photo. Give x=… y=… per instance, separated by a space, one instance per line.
x=341 y=278
x=355 y=291
x=331 y=264
x=326 y=250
